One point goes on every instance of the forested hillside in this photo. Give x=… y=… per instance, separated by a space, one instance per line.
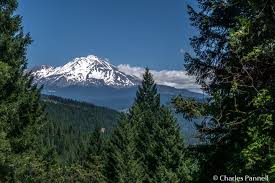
x=50 y=139
x=70 y=124
x=80 y=115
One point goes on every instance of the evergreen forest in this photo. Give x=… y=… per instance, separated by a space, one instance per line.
x=50 y=139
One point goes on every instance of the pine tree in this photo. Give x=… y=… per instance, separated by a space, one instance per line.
x=160 y=147
x=234 y=63
x=122 y=166
x=52 y=169
x=149 y=138
x=94 y=163
x=252 y=42
x=147 y=95
x=20 y=109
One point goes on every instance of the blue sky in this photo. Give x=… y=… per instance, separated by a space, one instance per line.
x=135 y=32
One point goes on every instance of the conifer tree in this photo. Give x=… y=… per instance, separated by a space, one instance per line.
x=159 y=143
x=234 y=63
x=94 y=163
x=20 y=109
x=147 y=95
x=122 y=166
x=149 y=138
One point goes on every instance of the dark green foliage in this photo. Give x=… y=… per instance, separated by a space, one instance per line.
x=147 y=95
x=70 y=126
x=90 y=170
x=160 y=147
x=147 y=145
x=234 y=63
x=121 y=163
x=82 y=115
x=94 y=162
x=74 y=140
x=21 y=114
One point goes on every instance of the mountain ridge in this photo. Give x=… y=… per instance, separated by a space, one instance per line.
x=94 y=80
x=83 y=71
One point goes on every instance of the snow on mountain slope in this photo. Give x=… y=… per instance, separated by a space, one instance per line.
x=83 y=71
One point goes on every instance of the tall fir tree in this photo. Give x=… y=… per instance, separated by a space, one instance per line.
x=149 y=138
x=94 y=163
x=147 y=95
x=159 y=142
x=122 y=166
x=20 y=109
x=234 y=63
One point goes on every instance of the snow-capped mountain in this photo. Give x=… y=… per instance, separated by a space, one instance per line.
x=95 y=80
x=83 y=71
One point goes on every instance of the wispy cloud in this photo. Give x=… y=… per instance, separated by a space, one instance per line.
x=174 y=78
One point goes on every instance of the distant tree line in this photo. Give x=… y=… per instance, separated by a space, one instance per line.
x=70 y=123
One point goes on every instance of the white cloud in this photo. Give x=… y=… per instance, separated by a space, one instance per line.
x=174 y=78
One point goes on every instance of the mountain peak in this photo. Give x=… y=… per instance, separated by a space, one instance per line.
x=91 y=60
x=90 y=70
x=88 y=59
x=92 y=57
